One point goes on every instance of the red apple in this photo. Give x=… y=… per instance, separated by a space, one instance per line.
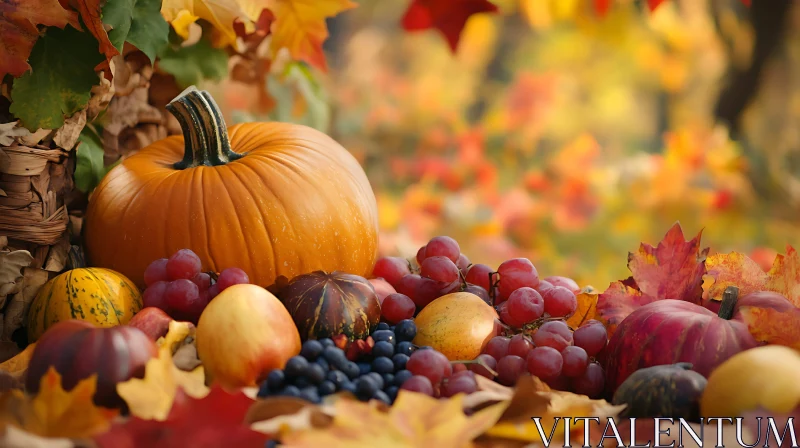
x=382 y=288
x=153 y=321
x=243 y=334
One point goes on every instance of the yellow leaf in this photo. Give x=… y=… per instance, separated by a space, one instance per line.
x=300 y=27
x=587 y=308
x=176 y=334
x=219 y=13
x=151 y=397
x=18 y=365
x=414 y=420
x=55 y=412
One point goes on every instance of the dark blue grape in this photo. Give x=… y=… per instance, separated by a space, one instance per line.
x=388 y=380
x=382 y=364
x=425 y=347
x=376 y=378
x=327 y=342
x=381 y=395
x=296 y=366
x=311 y=349
x=399 y=361
x=401 y=377
x=384 y=335
x=383 y=348
x=352 y=370
x=271 y=443
x=315 y=374
x=326 y=388
x=405 y=330
x=363 y=368
x=301 y=381
x=290 y=391
x=263 y=390
x=391 y=391
x=322 y=362
x=276 y=379
x=382 y=326
x=404 y=348
x=335 y=356
x=365 y=388
x=349 y=387
x=310 y=394
x=337 y=377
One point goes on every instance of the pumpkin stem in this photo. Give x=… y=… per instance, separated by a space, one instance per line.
x=729 y=299
x=204 y=131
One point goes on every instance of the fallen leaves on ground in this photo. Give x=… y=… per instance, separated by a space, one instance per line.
x=447 y=16
x=153 y=396
x=587 y=307
x=54 y=412
x=672 y=270
x=736 y=269
x=218 y=419
x=772 y=326
x=414 y=420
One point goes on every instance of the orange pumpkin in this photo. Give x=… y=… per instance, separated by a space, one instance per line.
x=271 y=198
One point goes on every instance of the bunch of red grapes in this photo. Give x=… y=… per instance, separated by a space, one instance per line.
x=433 y=375
x=178 y=286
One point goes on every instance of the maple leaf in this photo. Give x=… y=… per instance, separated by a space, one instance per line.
x=672 y=270
x=54 y=412
x=18 y=365
x=736 y=269
x=414 y=420
x=279 y=415
x=153 y=396
x=772 y=326
x=218 y=419
x=91 y=16
x=300 y=27
x=18 y=32
x=221 y=14
x=447 y=16
x=587 y=308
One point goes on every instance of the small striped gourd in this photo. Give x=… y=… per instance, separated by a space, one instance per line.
x=98 y=296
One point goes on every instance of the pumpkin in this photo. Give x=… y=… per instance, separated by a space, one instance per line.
x=99 y=296
x=325 y=305
x=78 y=350
x=761 y=299
x=270 y=198
x=672 y=331
x=671 y=391
x=764 y=377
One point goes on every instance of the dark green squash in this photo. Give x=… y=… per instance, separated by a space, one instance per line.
x=325 y=305
x=671 y=391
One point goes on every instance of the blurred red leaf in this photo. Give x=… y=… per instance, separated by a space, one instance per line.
x=448 y=16
x=601 y=7
x=216 y=420
x=672 y=270
x=772 y=326
x=653 y=4
x=736 y=269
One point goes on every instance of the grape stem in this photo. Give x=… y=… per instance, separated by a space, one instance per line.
x=478 y=362
x=492 y=287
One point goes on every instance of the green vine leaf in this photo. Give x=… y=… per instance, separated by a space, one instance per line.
x=138 y=22
x=60 y=81
x=89 y=169
x=194 y=63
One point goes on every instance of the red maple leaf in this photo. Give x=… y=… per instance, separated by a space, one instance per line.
x=672 y=270
x=214 y=421
x=448 y=16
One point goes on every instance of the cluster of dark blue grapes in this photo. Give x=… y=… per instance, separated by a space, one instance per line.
x=322 y=369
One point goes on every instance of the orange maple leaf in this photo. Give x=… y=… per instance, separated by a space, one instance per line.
x=300 y=27
x=736 y=269
x=18 y=32
x=772 y=326
x=92 y=17
x=672 y=270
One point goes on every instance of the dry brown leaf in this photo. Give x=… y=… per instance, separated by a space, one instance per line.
x=488 y=391
x=11 y=265
x=67 y=135
x=18 y=365
x=35 y=138
x=5 y=160
x=18 y=305
x=278 y=415
x=14 y=437
x=9 y=132
x=186 y=358
x=58 y=255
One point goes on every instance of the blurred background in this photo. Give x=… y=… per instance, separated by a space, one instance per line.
x=560 y=134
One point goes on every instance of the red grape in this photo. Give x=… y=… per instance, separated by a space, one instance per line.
x=560 y=302
x=545 y=362
x=213 y=291
x=427 y=291
x=478 y=274
x=184 y=297
x=478 y=291
x=452 y=287
x=558 y=383
x=418 y=383
x=183 y=264
x=516 y=273
x=480 y=369
x=463 y=263
x=497 y=347
x=408 y=285
x=509 y=369
x=520 y=345
x=397 y=307
x=505 y=316
x=430 y=364
x=420 y=255
x=543 y=286
x=440 y=269
x=391 y=269
x=202 y=280
x=555 y=333
x=591 y=383
x=154 y=296
x=566 y=282
x=462 y=384
x=443 y=246
x=591 y=336
x=156 y=272
x=575 y=361
x=525 y=305
x=458 y=367
x=230 y=277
